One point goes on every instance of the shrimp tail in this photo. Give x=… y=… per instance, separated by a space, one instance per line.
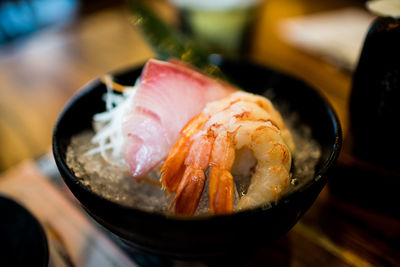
x=220 y=178
x=173 y=169
x=220 y=191
x=191 y=186
x=188 y=196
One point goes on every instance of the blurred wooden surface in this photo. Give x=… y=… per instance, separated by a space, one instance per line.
x=38 y=75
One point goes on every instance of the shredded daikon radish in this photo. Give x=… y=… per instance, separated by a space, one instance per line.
x=108 y=124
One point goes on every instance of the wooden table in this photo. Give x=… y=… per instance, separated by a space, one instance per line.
x=38 y=75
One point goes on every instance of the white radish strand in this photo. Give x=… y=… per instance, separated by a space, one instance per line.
x=109 y=139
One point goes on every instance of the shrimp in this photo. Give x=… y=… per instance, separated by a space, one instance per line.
x=211 y=140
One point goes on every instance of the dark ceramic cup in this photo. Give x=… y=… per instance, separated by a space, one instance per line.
x=23 y=241
x=205 y=236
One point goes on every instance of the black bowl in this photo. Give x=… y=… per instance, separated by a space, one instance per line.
x=23 y=240
x=205 y=236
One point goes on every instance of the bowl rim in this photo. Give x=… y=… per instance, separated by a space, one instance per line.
x=319 y=178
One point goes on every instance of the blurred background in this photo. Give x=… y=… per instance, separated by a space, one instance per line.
x=50 y=48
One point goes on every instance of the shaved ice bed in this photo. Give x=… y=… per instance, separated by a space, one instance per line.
x=116 y=184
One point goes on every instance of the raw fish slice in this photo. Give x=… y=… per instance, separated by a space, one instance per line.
x=168 y=96
x=139 y=131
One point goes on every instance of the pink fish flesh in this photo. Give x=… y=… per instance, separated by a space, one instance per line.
x=168 y=96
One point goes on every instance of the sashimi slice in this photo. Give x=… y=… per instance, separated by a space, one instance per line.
x=168 y=96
